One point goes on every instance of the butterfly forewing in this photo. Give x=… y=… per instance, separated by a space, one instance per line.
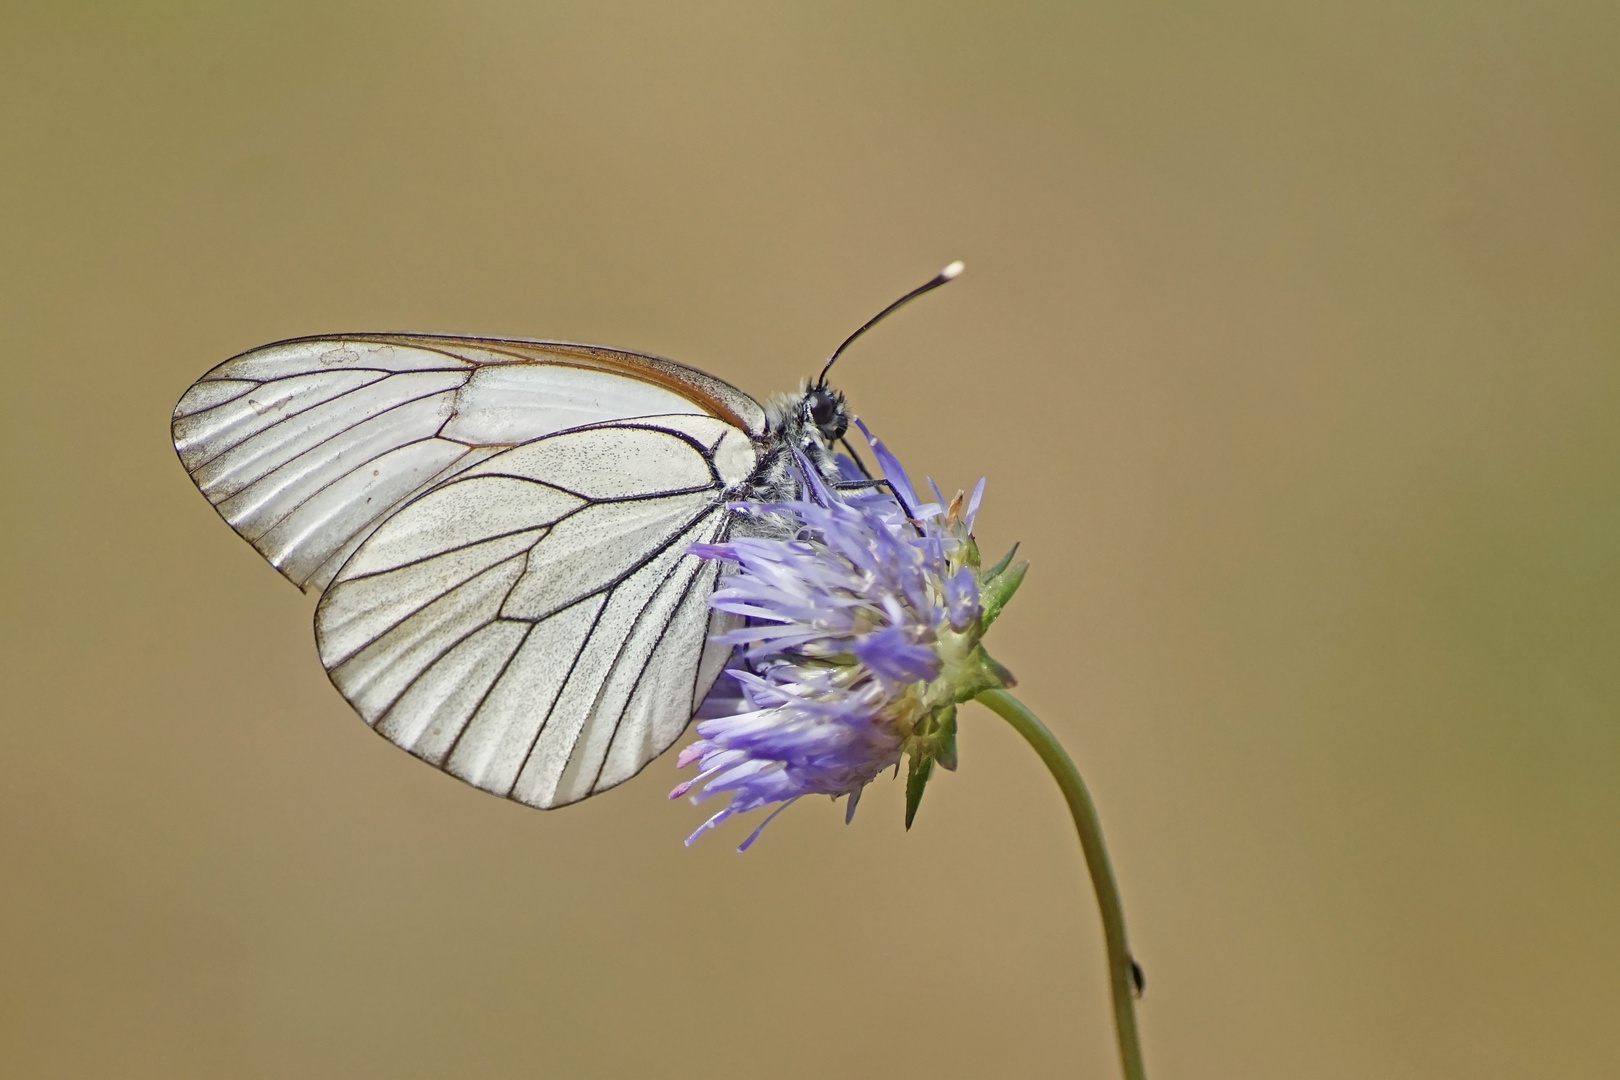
x=305 y=446
x=501 y=529
x=535 y=625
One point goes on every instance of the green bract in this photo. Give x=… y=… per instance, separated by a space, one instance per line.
x=966 y=671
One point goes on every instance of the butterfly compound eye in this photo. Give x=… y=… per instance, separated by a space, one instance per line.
x=827 y=413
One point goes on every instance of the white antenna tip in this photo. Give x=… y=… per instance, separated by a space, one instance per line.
x=952 y=270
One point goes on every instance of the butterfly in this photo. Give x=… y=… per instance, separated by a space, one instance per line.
x=499 y=532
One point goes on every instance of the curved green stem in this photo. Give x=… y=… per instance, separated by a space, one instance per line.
x=1121 y=979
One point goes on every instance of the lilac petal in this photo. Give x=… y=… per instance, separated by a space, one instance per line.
x=937 y=507
x=713 y=551
x=746 y=844
x=893 y=471
x=818 y=487
x=848 y=471
x=737 y=775
x=724 y=698
x=711 y=765
x=751 y=611
x=719 y=704
x=892 y=656
x=973 y=504
x=707 y=825
x=962 y=599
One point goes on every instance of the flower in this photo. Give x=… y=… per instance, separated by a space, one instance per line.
x=862 y=611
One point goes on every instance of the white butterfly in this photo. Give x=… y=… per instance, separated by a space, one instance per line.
x=499 y=531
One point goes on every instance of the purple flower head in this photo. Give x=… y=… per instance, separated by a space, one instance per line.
x=861 y=613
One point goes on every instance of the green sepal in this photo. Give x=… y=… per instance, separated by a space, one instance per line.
x=922 y=766
x=970 y=553
x=995 y=591
x=978 y=672
x=1002 y=676
x=1001 y=564
x=946 y=754
x=933 y=740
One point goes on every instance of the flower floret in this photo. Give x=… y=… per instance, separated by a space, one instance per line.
x=856 y=613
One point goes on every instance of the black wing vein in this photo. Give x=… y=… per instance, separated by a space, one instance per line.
x=316 y=405
x=695 y=575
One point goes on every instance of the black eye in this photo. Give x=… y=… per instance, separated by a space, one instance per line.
x=826 y=409
x=823 y=409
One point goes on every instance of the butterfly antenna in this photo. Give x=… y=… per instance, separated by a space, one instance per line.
x=933 y=283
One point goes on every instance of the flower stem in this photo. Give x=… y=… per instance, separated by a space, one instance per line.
x=1121 y=978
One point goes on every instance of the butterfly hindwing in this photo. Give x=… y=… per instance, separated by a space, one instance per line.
x=535 y=625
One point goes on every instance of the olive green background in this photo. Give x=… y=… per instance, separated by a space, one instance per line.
x=1288 y=342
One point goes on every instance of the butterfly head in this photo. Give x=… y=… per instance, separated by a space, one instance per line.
x=810 y=424
x=811 y=421
x=823 y=408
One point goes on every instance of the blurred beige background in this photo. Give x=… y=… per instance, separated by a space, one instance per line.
x=1288 y=342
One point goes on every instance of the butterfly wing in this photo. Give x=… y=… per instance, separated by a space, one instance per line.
x=535 y=625
x=305 y=446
